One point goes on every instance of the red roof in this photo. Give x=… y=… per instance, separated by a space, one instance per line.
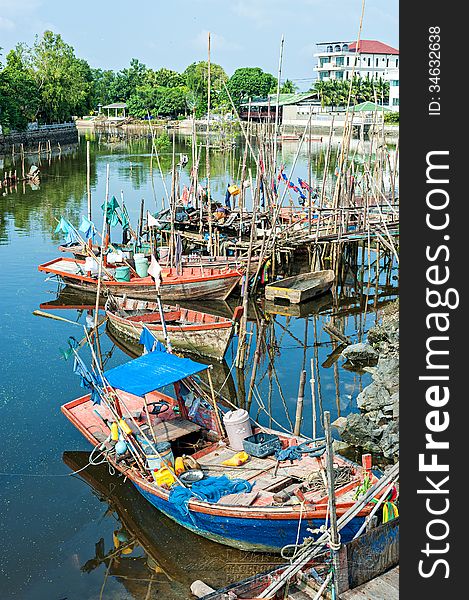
x=372 y=47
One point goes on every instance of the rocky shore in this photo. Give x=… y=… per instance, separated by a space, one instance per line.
x=376 y=428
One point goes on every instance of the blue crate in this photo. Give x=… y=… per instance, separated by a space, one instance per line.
x=262 y=444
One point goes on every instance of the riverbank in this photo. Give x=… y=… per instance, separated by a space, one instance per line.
x=43 y=138
x=376 y=428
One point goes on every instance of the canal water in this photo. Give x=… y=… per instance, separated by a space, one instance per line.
x=92 y=536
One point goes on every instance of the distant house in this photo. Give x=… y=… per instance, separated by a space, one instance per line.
x=264 y=109
x=118 y=111
x=341 y=60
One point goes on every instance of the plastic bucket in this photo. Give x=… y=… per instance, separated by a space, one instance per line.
x=114 y=257
x=122 y=274
x=154 y=461
x=91 y=265
x=163 y=252
x=238 y=427
x=141 y=266
x=138 y=256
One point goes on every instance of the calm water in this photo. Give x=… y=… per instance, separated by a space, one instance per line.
x=57 y=531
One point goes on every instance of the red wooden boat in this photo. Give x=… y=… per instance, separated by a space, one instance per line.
x=189 y=330
x=192 y=282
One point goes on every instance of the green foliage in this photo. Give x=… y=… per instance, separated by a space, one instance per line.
x=64 y=81
x=391 y=117
x=158 y=100
x=103 y=87
x=165 y=78
x=196 y=79
x=127 y=80
x=288 y=87
x=250 y=82
x=162 y=142
x=336 y=91
x=19 y=95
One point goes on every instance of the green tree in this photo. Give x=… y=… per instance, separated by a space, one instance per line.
x=65 y=82
x=165 y=78
x=127 y=80
x=19 y=94
x=250 y=82
x=287 y=87
x=103 y=87
x=196 y=79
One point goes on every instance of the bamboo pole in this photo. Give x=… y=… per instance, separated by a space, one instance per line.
x=335 y=540
x=257 y=357
x=88 y=178
x=207 y=153
x=101 y=258
x=299 y=403
x=282 y=41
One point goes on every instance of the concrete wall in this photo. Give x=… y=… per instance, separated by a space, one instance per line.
x=66 y=133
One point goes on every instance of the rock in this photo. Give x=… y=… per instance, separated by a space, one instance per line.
x=360 y=432
x=373 y=397
x=340 y=424
x=395 y=405
x=339 y=446
x=390 y=440
x=361 y=354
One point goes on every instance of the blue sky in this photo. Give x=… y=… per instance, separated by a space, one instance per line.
x=173 y=34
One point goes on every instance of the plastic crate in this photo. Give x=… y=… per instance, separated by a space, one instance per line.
x=262 y=444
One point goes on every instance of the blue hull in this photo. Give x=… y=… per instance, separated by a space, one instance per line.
x=258 y=535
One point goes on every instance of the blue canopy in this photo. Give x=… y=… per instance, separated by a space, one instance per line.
x=151 y=372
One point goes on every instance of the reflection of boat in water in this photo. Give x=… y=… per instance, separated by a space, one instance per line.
x=312 y=307
x=160 y=545
x=220 y=371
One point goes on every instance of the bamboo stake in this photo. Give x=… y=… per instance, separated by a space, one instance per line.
x=299 y=403
x=101 y=258
x=277 y=105
x=257 y=357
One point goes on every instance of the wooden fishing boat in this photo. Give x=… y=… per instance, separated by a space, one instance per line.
x=192 y=331
x=300 y=288
x=249 y=520
x=192 y=282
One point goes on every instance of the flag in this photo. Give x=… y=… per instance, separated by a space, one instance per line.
x=111 y=211
x=155 y=271
x=87 y=228
x=65 y=227
x=151 y=221
x=147 y=340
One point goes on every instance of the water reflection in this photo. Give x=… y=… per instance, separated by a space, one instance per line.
x=57 y=513
x=149 y=555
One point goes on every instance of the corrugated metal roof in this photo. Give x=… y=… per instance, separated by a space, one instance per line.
x=283 y=99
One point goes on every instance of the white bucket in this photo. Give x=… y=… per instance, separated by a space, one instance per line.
x=114 y=258
x=91 y=265
x=238 y=427
x=138 y=256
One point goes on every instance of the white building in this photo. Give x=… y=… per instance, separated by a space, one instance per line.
x=393 y=77
x=373 y=60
